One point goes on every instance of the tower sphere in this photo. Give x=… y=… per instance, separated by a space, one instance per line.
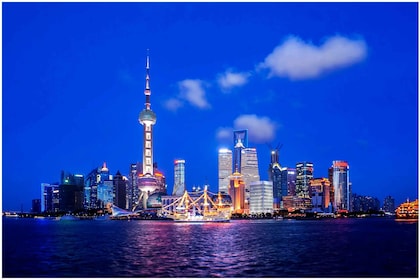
x=147 y=116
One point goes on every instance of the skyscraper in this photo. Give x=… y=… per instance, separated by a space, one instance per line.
x=304 y=173
x=261 y=197
x=120 y=185
x=240 y=142
x=288 y=180
x=50 y=197
x=249 y=170
x=160 y=179
x=105 y=188
x=341 y=185
x=224 y=169
x=320 y=193
x=147 y=183
x=275 y=176
x=133 y=191
x=71 y=192
x=237 y=193
x=91 y=189
x=179 y=180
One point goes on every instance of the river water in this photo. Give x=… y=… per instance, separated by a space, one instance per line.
x=368 y=247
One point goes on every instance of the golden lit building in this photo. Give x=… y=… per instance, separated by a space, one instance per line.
x=320 y=192
x=237 y=193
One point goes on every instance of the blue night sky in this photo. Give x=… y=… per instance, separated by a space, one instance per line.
x=330 y=81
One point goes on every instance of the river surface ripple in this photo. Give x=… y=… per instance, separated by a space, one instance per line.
x=370 y=247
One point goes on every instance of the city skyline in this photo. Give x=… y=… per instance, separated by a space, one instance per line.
x=340 y=91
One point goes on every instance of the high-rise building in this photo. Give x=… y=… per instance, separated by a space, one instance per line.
x=341 y=185
x=71 y=192
x=261 y=197
x=240 y=142
x=320 y=193
x=91 y=189
x=304 y=173
x=105 y=188
x=288 y=180
x=50 y=197
x=389 y=204
x=120 y=185
x=179 y=177
x=330 y=178
x=249 y=170
x=133 y=191
x=237 y=193
x=275 y=176
x=160 y=179
x=224 y=169
x=147 y=182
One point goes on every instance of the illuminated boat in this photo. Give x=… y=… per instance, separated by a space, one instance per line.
x=205 y=217
x=11 y=215
x=200 y=209
x=408 y=210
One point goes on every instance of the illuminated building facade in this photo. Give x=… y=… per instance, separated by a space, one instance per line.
x=250 y=172
x=160 y=179
x=133 y=192
x=50 y=197
x=341 y=185
x=320 y=194
x=105 y=188
x=288 y=202
x=261 y=197
x=91 y=189
x=304 y=174
x=237 y=193
x=147 y=182
x=288 y=180
x=240 y=141
x=179 y=177
x=224 y=169
x=276 y=179
x=275 y=176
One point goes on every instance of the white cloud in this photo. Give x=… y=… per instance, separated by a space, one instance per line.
x=173 y=104
x=193 y=92
x=224 y=133
x=260 y=129
x=299 y=60
x=228 y=80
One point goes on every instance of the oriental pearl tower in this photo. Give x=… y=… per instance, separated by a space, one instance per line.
x=147 y=182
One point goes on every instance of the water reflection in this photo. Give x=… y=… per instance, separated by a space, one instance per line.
x=346 y=248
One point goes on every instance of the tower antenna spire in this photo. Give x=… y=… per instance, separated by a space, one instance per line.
x=147 y=59
x=147 y=91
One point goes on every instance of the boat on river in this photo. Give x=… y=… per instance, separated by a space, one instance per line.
x=194 y=217
x=201 y=209
x=408 y=210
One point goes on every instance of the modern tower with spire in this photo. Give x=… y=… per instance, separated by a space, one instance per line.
x=147 y=182
x=147 y=118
